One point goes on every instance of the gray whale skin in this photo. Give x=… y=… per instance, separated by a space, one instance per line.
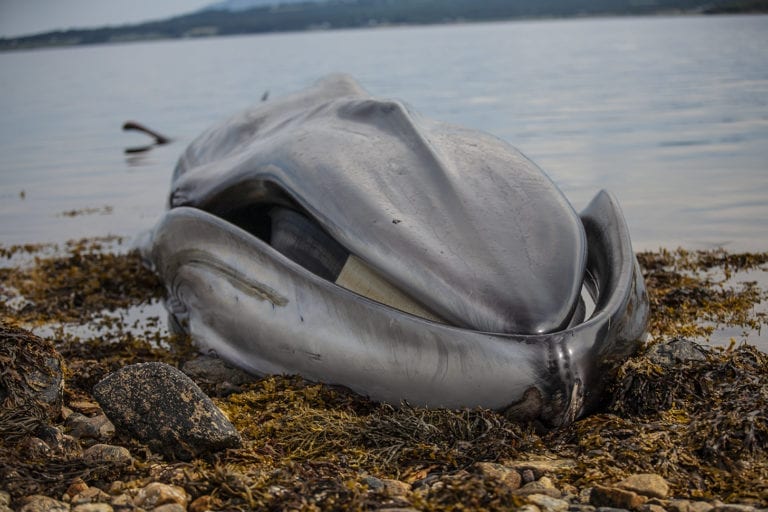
x=459 y=222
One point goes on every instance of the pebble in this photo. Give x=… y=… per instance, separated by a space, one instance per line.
x=82 y=427
x=528 y=507
x=540 y=466
x=108 y=453
x=615 y=498
x=688 y=506
x=156 y=494
x=678 y=350
x=505 y=475
x=93 y=507
x=38 y=503
x=392 y=487
x=726 y=507
x=548 y=503
x=5 y=502
x=543 y=485
x=646 y=484
x=185 y=422
x=202 y=504
x=170 y=507
x=90 y=495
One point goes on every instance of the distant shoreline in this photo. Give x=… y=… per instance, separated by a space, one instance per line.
x=335 y=15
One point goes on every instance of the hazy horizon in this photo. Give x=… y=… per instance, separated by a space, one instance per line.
x=28 y=17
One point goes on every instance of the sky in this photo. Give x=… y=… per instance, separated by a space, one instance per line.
x=24 y=17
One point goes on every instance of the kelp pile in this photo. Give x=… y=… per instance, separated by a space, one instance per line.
x=700 y=421
x=77 y=285
x=691 y=292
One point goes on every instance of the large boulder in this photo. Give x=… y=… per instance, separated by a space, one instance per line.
x=160 y=406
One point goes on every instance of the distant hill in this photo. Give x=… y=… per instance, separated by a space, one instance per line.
x=292 y=15
x=244 y=5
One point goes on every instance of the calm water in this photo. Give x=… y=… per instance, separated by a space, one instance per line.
x=671 y=114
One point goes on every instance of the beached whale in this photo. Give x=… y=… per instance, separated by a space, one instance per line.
x=345 y=238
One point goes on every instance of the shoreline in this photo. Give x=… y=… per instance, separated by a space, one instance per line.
x=697 y=424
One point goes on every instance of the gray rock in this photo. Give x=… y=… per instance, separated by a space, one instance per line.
x=162 y=407
x=503 y=474
x=157 y=493
x=678 y=350
x=108 y=453
x=548 y=503
x=93 y=507
x=579 y=507
x=732 y=507
x=543 y=485
x=645 y=484
x=96 y=427
x=38 y=503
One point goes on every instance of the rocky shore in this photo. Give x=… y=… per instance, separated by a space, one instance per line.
x=128 y=418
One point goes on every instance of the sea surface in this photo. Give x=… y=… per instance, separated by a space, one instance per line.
x=668 y=113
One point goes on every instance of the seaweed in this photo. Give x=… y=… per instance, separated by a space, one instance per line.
x=701 y=422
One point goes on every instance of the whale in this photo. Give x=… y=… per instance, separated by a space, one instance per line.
x=350 y=240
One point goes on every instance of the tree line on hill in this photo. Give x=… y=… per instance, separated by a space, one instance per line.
x=362 y=13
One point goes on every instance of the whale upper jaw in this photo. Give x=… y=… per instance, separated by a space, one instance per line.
x=243 y=300
x=458 y=220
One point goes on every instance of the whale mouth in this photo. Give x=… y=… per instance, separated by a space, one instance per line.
x=349 y=240
x=301 y=239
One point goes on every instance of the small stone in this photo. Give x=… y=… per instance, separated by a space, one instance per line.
x=75 y=488
x=122 y=502
x=35 y=448
x=90 y=495
x=396 y=488
x=38 y=503
x=548 y=503
x=93 y=507
x=82 y=427
x=528 y=475
x=580 y=507
x=503 y=474
x=529 y=507
x=676 y=351
x=688 y=506
x=169 y=507
x=156 y=494
x=732 y=507
x=541 y=466
x=651 y=507
x=699 y=506
x=543 y=485
x=646 y=484
x=202 y=504
x=185 y=422
x=108 y=453
x=616 y=498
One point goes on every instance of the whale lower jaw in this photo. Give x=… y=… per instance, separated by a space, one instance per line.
x=238 y=297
